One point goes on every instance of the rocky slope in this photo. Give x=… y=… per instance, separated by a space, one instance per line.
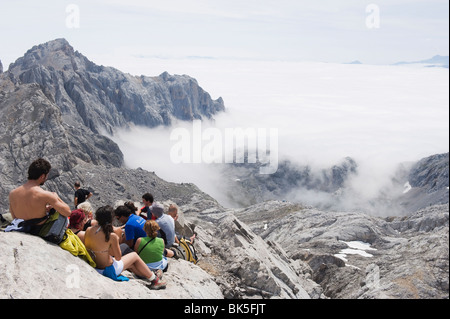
x=427 y=183
x=234 y=263
x=33 y=268
x=354 y=255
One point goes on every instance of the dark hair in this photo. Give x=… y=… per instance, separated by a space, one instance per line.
x=148 y=197
x=131 y=206
x=77 y=184
x=122 y=210
x=37 y=168
x=104 y=216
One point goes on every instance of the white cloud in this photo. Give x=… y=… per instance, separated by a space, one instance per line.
x=379 y=115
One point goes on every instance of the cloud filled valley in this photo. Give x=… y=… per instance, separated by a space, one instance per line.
x=382 y=117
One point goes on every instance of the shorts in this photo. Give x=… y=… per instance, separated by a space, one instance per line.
x=118 y=267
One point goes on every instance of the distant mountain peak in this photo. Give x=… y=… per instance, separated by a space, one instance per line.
x=57 y=53
x=435 y=61
x=354 y=62
x=53 y=46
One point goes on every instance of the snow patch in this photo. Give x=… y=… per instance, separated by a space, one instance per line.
x=355 y=248
x=407 y=187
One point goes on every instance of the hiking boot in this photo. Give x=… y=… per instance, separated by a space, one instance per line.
x=157 y=284
x=159 y=274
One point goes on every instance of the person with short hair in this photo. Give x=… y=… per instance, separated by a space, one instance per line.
x=77 y=221
x=30 y=202
x=165 y=222
x=147 y=199
x=134 y=225
x=86 y=207
x=173 y=212
x=81 y=195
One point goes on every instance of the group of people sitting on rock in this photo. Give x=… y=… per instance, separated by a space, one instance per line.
x=141 y=244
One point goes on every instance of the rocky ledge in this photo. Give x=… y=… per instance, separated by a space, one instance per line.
x=33 y=268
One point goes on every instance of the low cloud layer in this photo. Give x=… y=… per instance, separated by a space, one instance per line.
x=378 y=115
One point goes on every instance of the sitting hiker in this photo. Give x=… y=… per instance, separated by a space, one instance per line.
x=134 y=227
x=166 y=224
x=86 y=207
x=173 y=212
x=103 y=245
x=38 y=216
x=134 y=209
x=34 y=212
x=151 y=249
x=77 y=222
x=147 y=199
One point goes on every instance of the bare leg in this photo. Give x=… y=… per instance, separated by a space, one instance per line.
x=133 y=262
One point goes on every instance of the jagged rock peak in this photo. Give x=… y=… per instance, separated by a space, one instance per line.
x=1 y=67
x=49 y=53
x=104 y=98
x=54 y=45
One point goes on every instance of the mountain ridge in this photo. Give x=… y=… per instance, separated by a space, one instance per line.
x=435 y=61
x=103 y=97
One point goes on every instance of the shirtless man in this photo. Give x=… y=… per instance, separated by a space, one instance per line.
x=30 y=201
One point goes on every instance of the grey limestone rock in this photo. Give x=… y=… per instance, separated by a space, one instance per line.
x=353 y=255
x=31 y=268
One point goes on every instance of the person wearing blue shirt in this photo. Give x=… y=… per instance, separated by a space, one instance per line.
x=134 y=225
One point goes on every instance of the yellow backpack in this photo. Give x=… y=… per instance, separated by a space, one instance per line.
x=185 y=250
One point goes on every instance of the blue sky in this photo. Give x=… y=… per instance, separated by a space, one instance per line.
x=325 y=31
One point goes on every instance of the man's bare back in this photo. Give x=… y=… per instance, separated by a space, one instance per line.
x=29 y=201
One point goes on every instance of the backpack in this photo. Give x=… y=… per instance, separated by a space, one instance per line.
x=185 y=250
x=54 y=229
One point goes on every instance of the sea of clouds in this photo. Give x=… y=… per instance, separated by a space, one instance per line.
x=379 y=115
